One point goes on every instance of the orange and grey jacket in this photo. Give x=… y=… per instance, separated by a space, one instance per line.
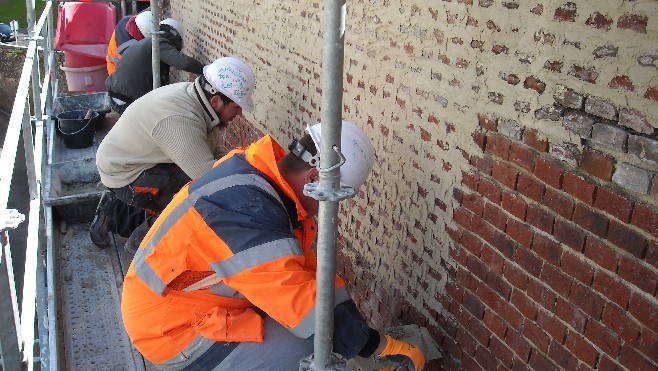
x=120 y=41
x=241 y=226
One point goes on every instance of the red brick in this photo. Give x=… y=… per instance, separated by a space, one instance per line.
x=530 y=187
x=520 y=232
x=541 y=294
x=648 y=344
x=515 y=276
x=485 y=358
x=637 y=274
x=495 y=323
x=599 y=20
x=514 y=205
x=539 y=218
x=518 y=365
x=559 y=203
x=502 y=352
x=475 y=266
x=607 y=364
x=470 y=180
x=635 y=22
x=627 y=239
x=479 y=331
x=488 y=123
x=614 y=204
x=549 y=172
x=463 y=217
x=494 y=301
x=568 y=313
x=547 y=249
x=612 y=288
x=528 y=261
x=490 y=190
x=473 y=202
x=536 y=336
x=633 y=360
x=495 y=216
x=471 y=243
x=552 y=326
x=645 y=218
x=602 y=338
x=498 y=145
x=597 y=164
x=467 y=343
x=492 y=259
x=505 y=174
x=532 y=138
x=467 y=279
x=569 y=235
x=562 y=356
x=579 y=187
x=590 y=220
x=652 y=253
x=586 y=299
x=556 y=279
x=644 y=311
x=504 y=244
x=601 y=254
x=566 y=12
x=581 y=348
x=618 y=321
x=499 y=285
x=539 y=362
x=523 y=156
x=483 y=165
x=523 y=303
x=518 y=344
x=577 y=267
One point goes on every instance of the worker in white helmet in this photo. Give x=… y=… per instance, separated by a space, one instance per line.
x=226 y=277
x=162 y=141
x=133 y=74
x=128 y=31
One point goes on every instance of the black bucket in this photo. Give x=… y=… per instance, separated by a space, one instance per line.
x=77 y=131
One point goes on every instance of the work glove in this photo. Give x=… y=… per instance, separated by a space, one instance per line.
x=400 y=351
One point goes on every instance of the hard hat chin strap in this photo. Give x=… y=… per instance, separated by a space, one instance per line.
x=302 y=153
x=207 y=87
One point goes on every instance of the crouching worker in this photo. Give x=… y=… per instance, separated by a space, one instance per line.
x=163 y=140
x=225 y=278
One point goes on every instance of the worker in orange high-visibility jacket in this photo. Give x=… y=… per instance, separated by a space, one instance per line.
x=225 y=277
x=128 y=31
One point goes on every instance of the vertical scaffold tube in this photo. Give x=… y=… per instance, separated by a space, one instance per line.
x=155 y=47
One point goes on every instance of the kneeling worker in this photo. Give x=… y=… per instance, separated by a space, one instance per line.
x=225 y=278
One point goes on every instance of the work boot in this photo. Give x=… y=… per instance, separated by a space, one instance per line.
x=98 y=230
x=137 y=236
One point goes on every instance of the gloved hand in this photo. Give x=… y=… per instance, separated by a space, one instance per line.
x=396 y=348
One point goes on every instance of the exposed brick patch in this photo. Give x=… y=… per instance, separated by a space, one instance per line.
x=643 y=148
x=566 y=12
x=599 y=21
x=532 y=138
x=532 y=82
x=651 y=93
x=600 y=107
x=498 y=145
x=627 y=239
x=549 y=172
x=487 y=123
x=621 y=82
x=614 y=204
x=578 y=123
x=597 y=164
x=505 y=174
x=636 y=120
x=566 y=152
x=635 y=22
x=569 y=98
x=646 y=218
x=587 y=74
x=610 y=137
x=632 y=178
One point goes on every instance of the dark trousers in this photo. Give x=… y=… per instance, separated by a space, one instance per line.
x=144 y=199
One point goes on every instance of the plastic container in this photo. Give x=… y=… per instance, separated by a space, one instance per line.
x=85 y=28
x=87 y=79
x=76 y=130
x=77 y=60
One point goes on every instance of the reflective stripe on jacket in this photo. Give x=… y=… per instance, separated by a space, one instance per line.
x=119 y=42
x=242 y=222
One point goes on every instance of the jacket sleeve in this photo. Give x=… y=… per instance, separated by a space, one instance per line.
x=177 y=59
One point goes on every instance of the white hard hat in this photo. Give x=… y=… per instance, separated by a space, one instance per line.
x=143 y=21
x=357 y=149
x=233 y=78
x=175 y=24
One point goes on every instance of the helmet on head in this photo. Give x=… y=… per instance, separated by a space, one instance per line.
x=233 y=78
x=357 y=149
x=174 y=24
x=143 y=21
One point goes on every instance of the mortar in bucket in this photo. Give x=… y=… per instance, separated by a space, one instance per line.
x=77 y=128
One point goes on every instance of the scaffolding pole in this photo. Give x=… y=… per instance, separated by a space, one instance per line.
x=155 y=42
x=329 y=191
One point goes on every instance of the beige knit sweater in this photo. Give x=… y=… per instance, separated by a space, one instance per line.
x=167 y=125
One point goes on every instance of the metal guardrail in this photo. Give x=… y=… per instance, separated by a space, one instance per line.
x=17 y=329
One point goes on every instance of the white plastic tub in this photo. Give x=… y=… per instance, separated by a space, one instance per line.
x=87 y=79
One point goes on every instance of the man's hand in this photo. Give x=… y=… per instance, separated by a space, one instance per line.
x=395 y=348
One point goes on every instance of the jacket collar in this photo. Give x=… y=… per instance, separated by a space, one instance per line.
x=264 y=155
x=210 y=112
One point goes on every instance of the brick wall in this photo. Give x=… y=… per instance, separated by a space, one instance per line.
x=513 y=205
